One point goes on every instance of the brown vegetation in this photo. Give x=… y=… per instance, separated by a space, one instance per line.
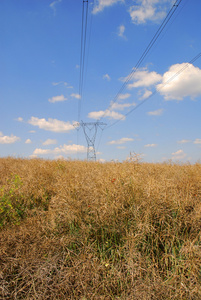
x=81 y=230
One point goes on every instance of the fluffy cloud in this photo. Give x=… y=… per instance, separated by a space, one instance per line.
x=65 y=149
x=107 y=77
x=39 y=151
x=186 y=83
x=49 y=142
x=20 y=119
x=51 y=124
x=101 y=4
x=157 y=112
x=121 y=141
x=4 y=139
x=107 y=114
x=144 y=78
x=120 y=106
x=150 y=145
x=57 y=99
x=178 y=154
x=183 y=141
x=77 y=96
x=197 y=141
x=146 y=94
x=124 y=96
x=121 y=30
x=148 y=10
x=28 y=141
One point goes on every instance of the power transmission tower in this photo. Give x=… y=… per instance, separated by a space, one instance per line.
x=90 y=131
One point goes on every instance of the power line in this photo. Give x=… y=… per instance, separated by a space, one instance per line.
x=82 y=53
x=90 y=21
x=99 y=139
x=157 y=90
x=82 y=59
x=148 y=48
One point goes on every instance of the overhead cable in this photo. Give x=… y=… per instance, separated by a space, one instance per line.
x=82 y=53
x=147 y=50
x=157 y=90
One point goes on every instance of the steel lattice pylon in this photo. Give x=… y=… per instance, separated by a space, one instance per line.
x=90 y=131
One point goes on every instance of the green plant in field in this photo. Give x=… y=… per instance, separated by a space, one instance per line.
x=11 y=202
x=106 y=241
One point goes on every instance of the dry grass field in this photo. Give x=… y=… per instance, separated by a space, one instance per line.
x=85 y=230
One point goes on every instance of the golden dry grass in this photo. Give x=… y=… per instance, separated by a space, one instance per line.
x=81 y=230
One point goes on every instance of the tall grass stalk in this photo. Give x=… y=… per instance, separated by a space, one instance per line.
x=84 y=230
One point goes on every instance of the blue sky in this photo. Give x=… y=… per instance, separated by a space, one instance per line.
x=40 y=77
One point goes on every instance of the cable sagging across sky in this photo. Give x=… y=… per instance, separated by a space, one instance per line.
x=145 y=53
x=157 y=90
x=82 y=53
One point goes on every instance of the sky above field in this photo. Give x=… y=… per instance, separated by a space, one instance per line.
x=154 y=112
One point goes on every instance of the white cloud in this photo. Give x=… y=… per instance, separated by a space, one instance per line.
x=28 y=141
x=146 y=94
x=57 y=99
x=121 y=30
x=57 y=83
x=183 y=141
x=148 y=10
x=121 y=141
x=4 y=139
x=101 y=160
x=62 y=83
x=51 y=124
x=101 y=4
x=39 y=151
x=197 y=141
x=77 y=96
x=53 y=5
x=157 y=112
x=124 y=96
x=32 y=131
x=185 y=84
x=49 y=142
x=144 y=78
x=107 y=114
x=150 y=145
x=107 y=77
x=65 y=149
x=121 y=147
x=119 y=106
x=178 y=154
x=20 y=119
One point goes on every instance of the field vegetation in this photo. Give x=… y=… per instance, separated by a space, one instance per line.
x=86 y=230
